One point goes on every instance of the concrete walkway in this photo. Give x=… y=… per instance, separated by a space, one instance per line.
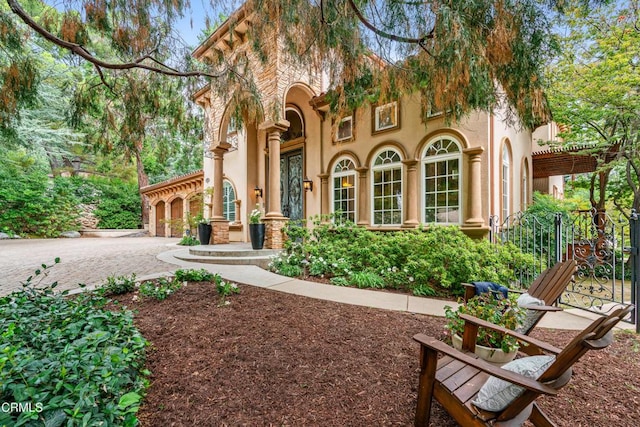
x=251 y=275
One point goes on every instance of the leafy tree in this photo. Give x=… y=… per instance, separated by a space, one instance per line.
x=594 y=90
x=461 y=55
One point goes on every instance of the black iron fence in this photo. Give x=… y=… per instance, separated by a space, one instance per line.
x=605 y=248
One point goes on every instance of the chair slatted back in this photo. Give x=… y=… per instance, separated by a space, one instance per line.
x=596 y=336
x=553 y=281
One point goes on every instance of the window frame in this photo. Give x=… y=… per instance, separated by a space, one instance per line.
x=351 y=172
x=384 y=167
x=226 y=184
x=436 y=159
x=376 y=114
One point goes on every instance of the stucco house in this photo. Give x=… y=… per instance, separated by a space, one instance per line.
x=382 y=167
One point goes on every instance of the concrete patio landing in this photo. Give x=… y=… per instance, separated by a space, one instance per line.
x=228 y=254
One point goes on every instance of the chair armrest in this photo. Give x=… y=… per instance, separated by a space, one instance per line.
x=512 y=377
x=541 y=345
x=469 y=291
x=544 y=308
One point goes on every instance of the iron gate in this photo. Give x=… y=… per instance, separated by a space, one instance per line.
x=605 y=249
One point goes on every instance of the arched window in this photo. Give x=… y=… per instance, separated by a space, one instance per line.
x=228 y=202
x=506 y=182
x=441 y=179
x=296 y=125
x=344 y=190
x=387 y=188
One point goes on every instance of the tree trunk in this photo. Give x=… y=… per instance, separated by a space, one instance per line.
x=143 y=181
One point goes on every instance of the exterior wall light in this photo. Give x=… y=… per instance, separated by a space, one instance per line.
x=257 y=192
x=307 y=184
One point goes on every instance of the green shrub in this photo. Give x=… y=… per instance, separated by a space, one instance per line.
x=189 y=241
x=497 y=310
x=423 y=290
x=289 y=270
x=339 y=281
x=159 y=289
x=117 y=285
x=81 y=362
x=193 y=275
x=366 y=279
x=118 y=203
x=224 y=289
x=424 y=261
x=30 y=203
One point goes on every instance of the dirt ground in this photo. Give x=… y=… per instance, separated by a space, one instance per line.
x=274 y=359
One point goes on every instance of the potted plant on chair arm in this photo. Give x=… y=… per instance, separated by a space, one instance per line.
x=492 y=346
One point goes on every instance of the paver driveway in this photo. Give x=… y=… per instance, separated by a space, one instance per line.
x=84 y=260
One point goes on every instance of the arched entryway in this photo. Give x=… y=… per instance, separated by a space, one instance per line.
x=160 y=219
x=292 y=166
x=176 y=213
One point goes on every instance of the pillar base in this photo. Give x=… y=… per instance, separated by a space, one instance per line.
x=475 y=232
x=274 y=237
x=219 y=231
x=411 y=224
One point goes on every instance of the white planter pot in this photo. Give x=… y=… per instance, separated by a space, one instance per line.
x=492 y=355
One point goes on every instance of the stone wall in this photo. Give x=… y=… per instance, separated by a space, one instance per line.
x=87 y=218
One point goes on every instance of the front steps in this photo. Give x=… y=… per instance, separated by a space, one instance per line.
x=229 y=254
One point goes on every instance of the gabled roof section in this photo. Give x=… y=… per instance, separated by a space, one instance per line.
x=227 y=35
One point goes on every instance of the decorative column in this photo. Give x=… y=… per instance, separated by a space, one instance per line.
x=219 y=225
x=274 y=221
x=410 y=195
x=325 y=209
x=238 y=203
x=363 y=197
x=167 y=217
x=474 y=224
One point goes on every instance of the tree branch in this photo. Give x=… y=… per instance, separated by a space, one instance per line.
x=420 y=42
x=98 y=63
x=630 y=165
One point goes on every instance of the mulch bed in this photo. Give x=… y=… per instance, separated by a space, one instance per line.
x=271 y=358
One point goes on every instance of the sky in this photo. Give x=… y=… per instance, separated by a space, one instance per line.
x=194 y=20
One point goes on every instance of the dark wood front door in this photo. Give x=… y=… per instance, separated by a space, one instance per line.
x=176 y=213
x=160 y=219
x=291 y=191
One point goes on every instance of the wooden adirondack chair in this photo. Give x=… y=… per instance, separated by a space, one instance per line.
x=456 y=378
x=547 y=287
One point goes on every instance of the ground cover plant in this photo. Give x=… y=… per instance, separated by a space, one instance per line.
x=79 y=361
x=71 y=359
x=424 y=262
x=116 y=285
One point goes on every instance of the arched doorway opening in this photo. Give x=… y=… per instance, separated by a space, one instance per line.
x=292 y=166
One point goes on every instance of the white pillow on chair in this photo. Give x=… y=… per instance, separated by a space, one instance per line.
x=497 y=394
x=531 y=315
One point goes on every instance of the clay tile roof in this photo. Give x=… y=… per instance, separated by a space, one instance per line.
x=192 y=176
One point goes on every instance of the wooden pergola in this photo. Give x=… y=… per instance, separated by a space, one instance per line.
x=566 y=161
